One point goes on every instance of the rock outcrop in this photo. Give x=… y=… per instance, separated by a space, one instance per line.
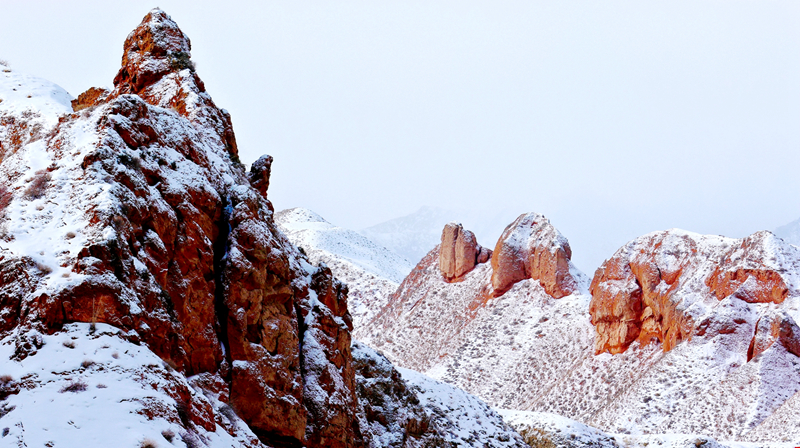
x=459 y=252
x=531 y=247
x=143 y=219
x=654 y=288
x=402 y=408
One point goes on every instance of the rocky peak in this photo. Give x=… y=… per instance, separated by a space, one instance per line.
x=157 y=66
x=154 y=49
x=660 y=287
x=136 y=214
x=531 y=247
x=460 y=252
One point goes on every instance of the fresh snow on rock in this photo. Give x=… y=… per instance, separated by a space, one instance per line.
x=370 y=271
x=544 y=429
x=94 y=389
x=528 y=351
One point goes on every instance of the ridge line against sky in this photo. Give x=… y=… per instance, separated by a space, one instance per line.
x=612 y=119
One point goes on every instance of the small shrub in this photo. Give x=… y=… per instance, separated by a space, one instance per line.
x=5 y=199
x=5 y=379
x=230 y=413
x=87 y=363
x=38 y=185
x=170 y=365
x=149 y=443
x=133 y=162
x=43 y=268
x=69 y=344
x=183 y=412
x=180 y=60
x=102 y=386
x=168 y=435
x=115 y=355
x=74 y=386
x=190 y=440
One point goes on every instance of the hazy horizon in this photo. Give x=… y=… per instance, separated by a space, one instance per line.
x=612 y=119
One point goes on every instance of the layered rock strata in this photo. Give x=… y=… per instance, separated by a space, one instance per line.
x=657 y=286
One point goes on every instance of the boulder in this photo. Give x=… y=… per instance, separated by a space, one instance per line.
x=459 y=252
x=531 y=247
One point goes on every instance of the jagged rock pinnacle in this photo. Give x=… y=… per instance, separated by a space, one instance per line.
x=153 y=49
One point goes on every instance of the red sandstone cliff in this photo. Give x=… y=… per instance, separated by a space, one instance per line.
x=142 y=218
x=658 y=287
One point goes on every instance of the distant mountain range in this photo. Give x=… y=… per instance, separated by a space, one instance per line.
x=790 y=232
x=412 y=236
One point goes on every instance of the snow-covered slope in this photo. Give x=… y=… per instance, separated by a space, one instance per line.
x=413 y=235
x=526 y=350
x=541 y=429
x=790 y=232
x=25 y=94
x=403 y=408
x=80 y=387
x=370 y=271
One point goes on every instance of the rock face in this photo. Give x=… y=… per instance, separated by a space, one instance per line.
x=136 y=213
x=402 y=408
x=531 y=247
x=653 y=288
x=459 y=252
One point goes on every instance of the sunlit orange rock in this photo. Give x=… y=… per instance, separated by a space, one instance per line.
x=531 y=247
x=459 y=252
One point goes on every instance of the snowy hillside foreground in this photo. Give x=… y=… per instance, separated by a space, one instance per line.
x=84 y=387
x=403 y=408
x=541 y=429
x=370 y=271
x=81 y=387
x=526 y=350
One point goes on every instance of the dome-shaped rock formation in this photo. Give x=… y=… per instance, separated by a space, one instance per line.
x=530 y=247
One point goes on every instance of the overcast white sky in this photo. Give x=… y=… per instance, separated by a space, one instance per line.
x=613 y=119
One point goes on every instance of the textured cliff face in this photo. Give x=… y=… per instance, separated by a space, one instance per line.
x=133 y=211
x=404 y=409
x=459 y=252
x=658 y=286
x=531 y=247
